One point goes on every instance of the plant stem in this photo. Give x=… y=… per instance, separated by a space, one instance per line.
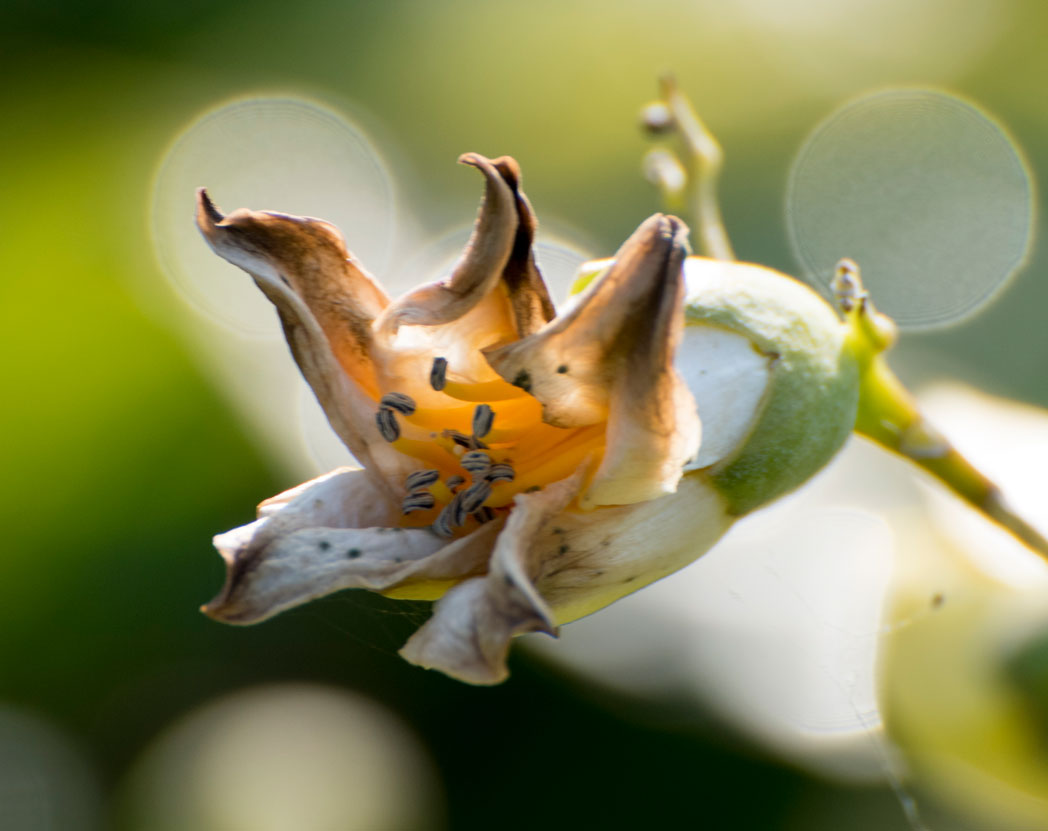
x=889 y=415
x=693 y=186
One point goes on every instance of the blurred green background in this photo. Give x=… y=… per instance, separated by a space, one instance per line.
x=121 y=461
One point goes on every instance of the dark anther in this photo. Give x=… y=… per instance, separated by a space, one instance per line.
x=474 y=496
x=476 y=462
x=421 y=501
x=403 y=404
x=438 y=374
x=450 y=517
x=442 y=524
x=483 y=420
x=457 y=510
x=501 y=472
x=462 y=440
x=421 y=479
x=387 y=424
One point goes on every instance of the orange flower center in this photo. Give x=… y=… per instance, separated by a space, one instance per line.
x=486 y=445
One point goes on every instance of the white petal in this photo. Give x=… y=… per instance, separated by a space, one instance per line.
x=300 y=549
x=727 y=377
x=590 y=559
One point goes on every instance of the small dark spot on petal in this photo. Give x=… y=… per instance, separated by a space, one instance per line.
x=938 y=599
x=563 y=368
x=508 y=580
x=323 y=545
x=606 y=542
x=630 y=579
x=562 y=550
x=558 y=530
x=533 y=488
x=353 y=553
x=523 y=380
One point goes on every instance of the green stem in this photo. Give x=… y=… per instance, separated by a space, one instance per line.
x=889 y=415
x=702 y=167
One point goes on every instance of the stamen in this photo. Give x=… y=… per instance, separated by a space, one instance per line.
x=438 y=374
x=421 y=501
x=421 y=479
x=387 y=424
x=452 y=516
x=476 y=462
x=462 y=440
x=483 y=420
x=454 y=481
x=458 y=510
x=501 y=472
x=473 y=497
x=403 y=404
x=442 y=524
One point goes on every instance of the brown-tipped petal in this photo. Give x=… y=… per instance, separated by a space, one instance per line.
x=309 y=257
x=653 y=427
x=480 y=268
x=494 y=295
x=326 y=306
x=612 y=357
x=571 y=363
x=469 y=634
x=528 y=295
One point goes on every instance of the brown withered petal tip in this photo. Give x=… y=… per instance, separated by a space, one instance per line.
x=472 y=159
x=207 y=207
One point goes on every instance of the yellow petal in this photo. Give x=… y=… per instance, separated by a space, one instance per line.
x=528 y=295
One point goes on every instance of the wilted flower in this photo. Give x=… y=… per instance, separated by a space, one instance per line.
x=527 y=468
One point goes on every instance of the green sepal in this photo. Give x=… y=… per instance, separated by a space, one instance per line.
x=809 y=407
